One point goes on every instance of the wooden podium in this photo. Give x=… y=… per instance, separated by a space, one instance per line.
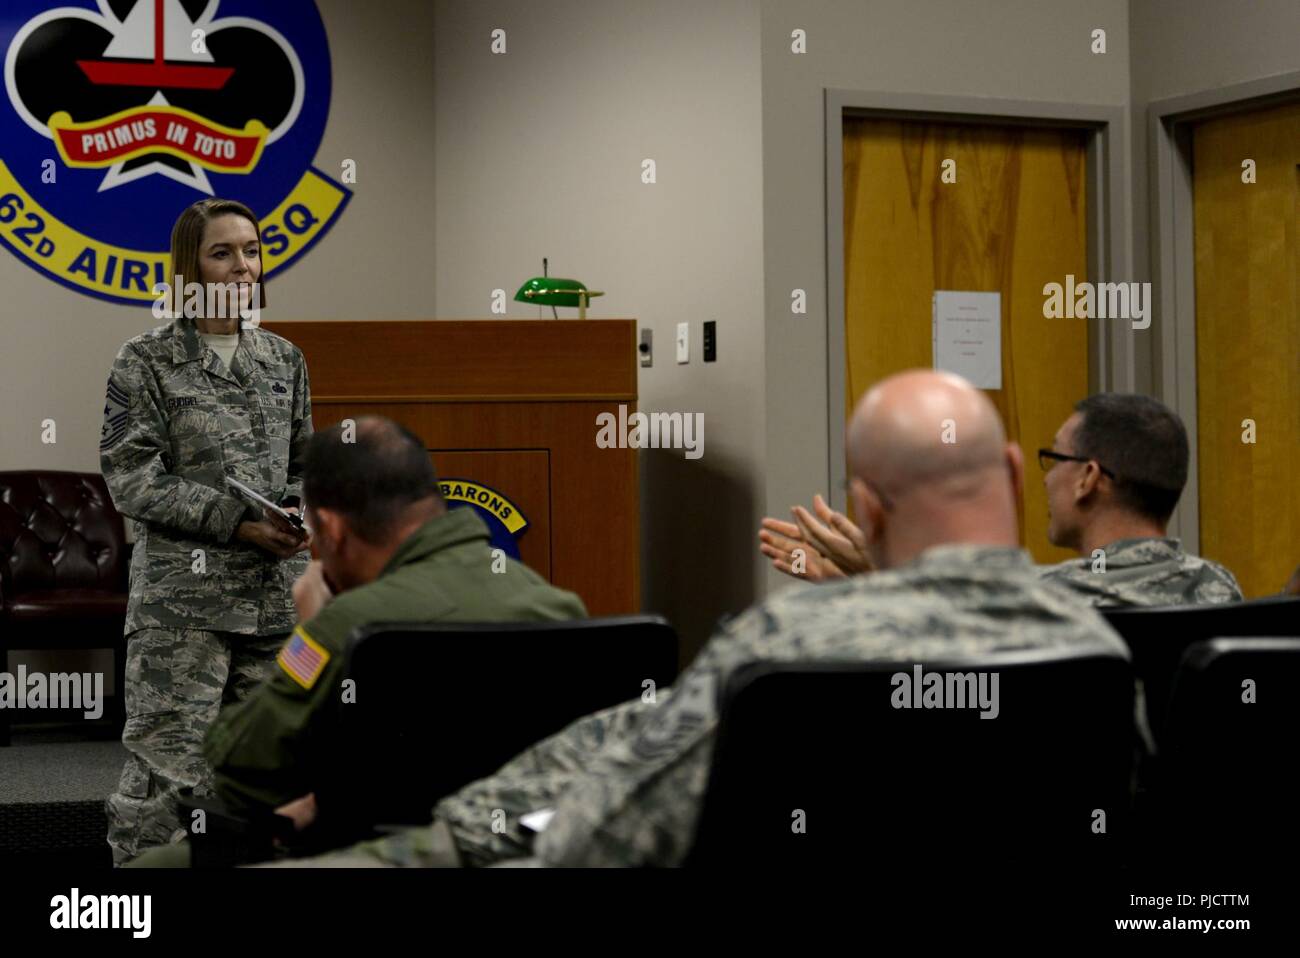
x=508 y=408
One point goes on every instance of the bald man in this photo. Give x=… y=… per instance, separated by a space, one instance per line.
x=938 y=521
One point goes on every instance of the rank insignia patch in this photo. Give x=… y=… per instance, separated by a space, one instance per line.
x=115 y=409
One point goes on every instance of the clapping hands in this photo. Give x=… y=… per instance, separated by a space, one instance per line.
x=818 y=545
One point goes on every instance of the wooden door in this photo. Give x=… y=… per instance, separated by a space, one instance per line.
x=1248 y=343
x=1014 y=220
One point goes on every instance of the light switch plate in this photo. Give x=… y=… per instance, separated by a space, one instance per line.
x=683 y=342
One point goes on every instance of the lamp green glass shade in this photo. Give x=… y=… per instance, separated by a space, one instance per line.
x=552 y=291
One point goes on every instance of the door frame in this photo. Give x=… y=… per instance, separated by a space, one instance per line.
x=1173 y=252
x=1110 y=356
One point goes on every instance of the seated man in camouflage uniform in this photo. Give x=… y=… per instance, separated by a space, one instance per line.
x=939 y=521
x=1114 y=475
x=388 y=550
x=1115 y=471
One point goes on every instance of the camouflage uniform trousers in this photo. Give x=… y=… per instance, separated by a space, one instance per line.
x=176 y=682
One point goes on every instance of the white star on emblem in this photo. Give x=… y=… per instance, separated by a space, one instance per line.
x=134 y=38
x=196 y=177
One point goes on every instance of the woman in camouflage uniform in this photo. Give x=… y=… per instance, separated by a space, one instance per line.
x=191 y=403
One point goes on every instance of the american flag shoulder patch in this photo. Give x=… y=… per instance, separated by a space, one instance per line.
x=303 y=658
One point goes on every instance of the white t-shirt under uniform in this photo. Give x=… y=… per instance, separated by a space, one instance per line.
x=224 y=346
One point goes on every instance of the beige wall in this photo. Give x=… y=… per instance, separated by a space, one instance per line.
x=375 y=263
x=1017 y=49
x=1187 y=47
x=471 y=167
x=539 y=153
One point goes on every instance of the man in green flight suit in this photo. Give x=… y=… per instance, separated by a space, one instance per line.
x=387 y=549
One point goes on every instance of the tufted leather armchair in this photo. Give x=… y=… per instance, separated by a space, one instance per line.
x=63 y=568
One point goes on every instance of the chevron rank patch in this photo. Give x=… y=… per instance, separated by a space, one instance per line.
x=116 y=404
x=303 y=658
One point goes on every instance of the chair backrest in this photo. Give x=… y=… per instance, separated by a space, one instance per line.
x=438 y=706
x=827 y=748
x=1228 y=783
x=1158 y=636
x=59 y=530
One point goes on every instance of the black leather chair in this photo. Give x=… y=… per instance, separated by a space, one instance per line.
x=64 y=562
x=438 y=706
x=1228 y=788
x=1159 y=636
x=921 y=791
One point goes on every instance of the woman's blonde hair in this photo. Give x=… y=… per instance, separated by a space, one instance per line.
x=187 y=237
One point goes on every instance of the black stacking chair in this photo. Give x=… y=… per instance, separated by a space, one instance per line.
x=1228 y=789
x=912 y=790
x=466 y=699
x=438 y=706
x=1159 y=636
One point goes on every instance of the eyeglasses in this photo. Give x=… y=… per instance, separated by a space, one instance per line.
x=1048 y=458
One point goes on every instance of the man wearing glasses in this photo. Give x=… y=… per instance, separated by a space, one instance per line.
x=1113 y=475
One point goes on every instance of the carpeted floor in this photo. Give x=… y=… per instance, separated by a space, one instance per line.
x=52 y=789
x=35 y=769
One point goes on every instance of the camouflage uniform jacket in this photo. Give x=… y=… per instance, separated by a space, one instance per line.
x=1146 y=572
x=627 y=784
x=177 y=422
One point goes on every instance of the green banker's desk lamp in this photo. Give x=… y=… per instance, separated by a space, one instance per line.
x=550 y=291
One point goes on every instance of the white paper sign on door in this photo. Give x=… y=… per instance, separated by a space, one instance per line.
x=967 y=336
